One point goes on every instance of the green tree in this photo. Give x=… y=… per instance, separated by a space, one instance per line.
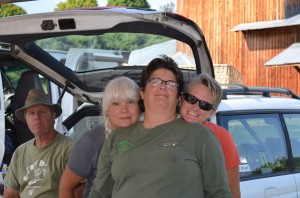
x=110 y=41
x=169 y=7
x=70 y=4
x=10 y=10
x=129 y=3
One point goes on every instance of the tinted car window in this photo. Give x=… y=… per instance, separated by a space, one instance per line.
x=83 y=125
x=111 y=50
x=260 y=142
x=292 y=122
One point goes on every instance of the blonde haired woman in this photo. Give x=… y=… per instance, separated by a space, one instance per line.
x=199 y=101
x=120 y=109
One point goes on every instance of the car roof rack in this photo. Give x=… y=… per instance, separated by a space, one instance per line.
x=239 y=89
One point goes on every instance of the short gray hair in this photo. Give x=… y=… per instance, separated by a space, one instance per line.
x=210 y=83
x=118 y=89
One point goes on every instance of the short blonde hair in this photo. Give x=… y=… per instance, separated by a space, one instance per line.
x=210 y=83
x=118 y=89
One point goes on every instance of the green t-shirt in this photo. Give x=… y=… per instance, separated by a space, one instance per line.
x=176 y=159
x=36 y=172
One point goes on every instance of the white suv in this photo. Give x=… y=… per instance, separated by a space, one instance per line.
x=266 y=130
x=77 y=52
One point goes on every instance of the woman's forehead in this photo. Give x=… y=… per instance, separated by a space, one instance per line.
x=122 y=98
x=163 y=72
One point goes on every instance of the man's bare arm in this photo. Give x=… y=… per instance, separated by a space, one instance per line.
x=10 y=193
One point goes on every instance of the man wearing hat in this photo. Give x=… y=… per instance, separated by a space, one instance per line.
x=37 y=165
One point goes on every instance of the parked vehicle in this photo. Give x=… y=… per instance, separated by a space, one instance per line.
x=265 y=125
x=75 y=53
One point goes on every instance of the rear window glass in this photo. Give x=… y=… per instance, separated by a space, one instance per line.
x=112 y=50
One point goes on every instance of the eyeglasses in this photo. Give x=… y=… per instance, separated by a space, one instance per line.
x=169 y=83
x=193 y=100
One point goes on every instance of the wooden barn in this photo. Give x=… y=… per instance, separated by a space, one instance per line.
x=256 y=37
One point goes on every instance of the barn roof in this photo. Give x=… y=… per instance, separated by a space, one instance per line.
x=295 y=20
x=289 y=56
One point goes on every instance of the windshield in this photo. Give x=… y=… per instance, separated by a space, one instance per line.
x=114 y=50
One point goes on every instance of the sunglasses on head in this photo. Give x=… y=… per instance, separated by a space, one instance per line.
x=193 y=100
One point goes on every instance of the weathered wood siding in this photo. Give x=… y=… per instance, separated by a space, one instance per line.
x=247 y=51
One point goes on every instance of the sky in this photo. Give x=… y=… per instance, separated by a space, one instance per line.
x=40 y=6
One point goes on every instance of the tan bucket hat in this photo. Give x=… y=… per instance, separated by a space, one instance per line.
x=36 y=96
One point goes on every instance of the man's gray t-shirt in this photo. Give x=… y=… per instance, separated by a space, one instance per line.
x=84 y=156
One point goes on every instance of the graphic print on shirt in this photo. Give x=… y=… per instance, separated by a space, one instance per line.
x=124 y=145
x=36 y=174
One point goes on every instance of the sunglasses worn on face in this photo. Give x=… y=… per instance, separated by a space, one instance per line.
x=193 y=100
x=169 y=83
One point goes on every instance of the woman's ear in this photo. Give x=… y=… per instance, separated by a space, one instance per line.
x=179 y=101
x=212 y=112
x=142 y=93
x=178 y=105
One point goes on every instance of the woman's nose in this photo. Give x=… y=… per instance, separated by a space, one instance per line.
x=124 y=107
x=163 y=85
x=195 y=106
